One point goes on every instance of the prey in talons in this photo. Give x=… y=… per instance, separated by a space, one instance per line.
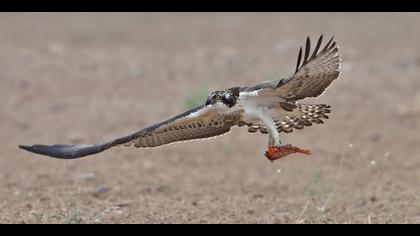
x=274 y=153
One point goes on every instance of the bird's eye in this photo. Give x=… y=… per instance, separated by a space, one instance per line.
x=218 y=97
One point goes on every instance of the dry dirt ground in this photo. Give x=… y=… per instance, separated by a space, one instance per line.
x=88 y=78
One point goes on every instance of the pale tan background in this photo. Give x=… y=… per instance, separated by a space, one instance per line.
x=87 y=78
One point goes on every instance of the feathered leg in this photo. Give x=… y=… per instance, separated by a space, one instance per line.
x=276 y=150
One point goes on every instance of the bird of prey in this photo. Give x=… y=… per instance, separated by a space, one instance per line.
x=270 y=107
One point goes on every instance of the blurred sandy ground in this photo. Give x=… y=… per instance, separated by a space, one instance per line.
x=92 y=77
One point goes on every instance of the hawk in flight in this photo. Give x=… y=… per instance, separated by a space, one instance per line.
x=270 y=107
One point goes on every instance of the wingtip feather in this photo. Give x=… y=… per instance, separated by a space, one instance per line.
x=298 y=60
x=26 y=147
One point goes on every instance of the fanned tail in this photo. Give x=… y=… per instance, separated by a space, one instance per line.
x=308 y=114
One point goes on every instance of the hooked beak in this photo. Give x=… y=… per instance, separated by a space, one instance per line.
x=208 y=102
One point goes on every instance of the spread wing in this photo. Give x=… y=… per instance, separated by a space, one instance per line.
x=198 y=123
x=311 y=78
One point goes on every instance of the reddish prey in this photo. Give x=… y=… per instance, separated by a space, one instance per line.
x=273 y=153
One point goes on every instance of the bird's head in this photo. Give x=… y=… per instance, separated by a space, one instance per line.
x=224 y=98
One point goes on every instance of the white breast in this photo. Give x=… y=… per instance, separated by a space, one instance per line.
x=258 y=107
x=250 y=106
